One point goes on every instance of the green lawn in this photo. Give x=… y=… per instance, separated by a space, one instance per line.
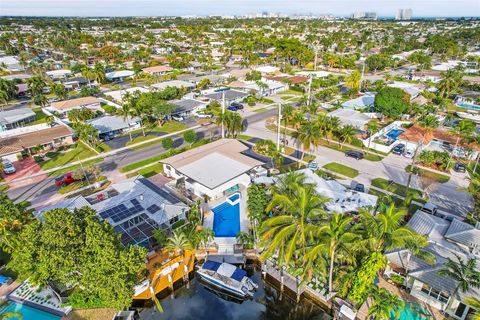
x=244 y=137
x=396 y=188
x=148 y=171
x=140 y=139
x=171 y=126
x=103 y=147
x=75 y=167
x=40 y=116
x=341 y=169
x=260 y=110
x=78 y=185
x=440 y=178
x=399 y=203
x=80 y=152
x=286 y=97
x=290 y=92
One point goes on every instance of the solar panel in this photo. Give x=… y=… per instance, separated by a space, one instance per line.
x=153 y=208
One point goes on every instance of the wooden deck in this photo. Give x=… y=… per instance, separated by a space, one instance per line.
x=282 y=277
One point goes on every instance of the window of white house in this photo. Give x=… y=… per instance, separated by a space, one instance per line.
x=434 y=293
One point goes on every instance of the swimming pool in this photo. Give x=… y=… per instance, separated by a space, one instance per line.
x=468 y=106
x=28 y=313
x=394 y=133
x=408 y=314
x=226 y=219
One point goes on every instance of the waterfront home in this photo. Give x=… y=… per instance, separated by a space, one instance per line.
x=213 y=169
x=448 y=238
x=134 y=207
x=468 y=100
x=61 y=108
x=425 y=75
x=17 y=142
x=15 y=118
x=187 y=107
x=113 y=125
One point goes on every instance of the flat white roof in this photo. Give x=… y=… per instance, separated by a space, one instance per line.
x=119 y=74
x=214 y=169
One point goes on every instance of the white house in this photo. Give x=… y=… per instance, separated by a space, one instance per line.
x=212 y=169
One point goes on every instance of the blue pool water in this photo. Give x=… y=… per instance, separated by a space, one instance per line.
x=408 y=314
x=226 y=219
x=394 y=133
x=28 y=313
x=468 y=106
x=234 y=197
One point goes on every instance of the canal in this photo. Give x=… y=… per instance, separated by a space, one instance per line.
x=195 y=301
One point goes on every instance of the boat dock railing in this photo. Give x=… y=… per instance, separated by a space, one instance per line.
x=282 y=276
x=228 y=258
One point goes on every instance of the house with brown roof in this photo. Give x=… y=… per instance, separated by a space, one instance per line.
x=157 y=70
x=437 y=139
x=47 y=137
x=212 y=169
x=61 y=108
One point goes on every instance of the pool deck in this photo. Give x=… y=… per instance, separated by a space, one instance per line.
x=362 y=313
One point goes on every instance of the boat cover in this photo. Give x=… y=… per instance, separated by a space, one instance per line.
x=238 y=274
x=211 y=265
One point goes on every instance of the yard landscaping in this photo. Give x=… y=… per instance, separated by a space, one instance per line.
x=40 y=117
x=79 y=184
x=438 y=177
x=75 y=167
x=341 y=169
x=396 y=188
x=140 y=139
x=290 y=92
x=57 y=159
x=148 y=172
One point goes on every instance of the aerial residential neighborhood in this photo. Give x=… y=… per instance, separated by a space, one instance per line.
x=207 y=160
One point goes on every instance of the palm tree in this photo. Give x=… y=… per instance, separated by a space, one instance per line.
x=88 y=73
x=428 y=123
x=306 y=136
x=332 y=125
x=40 y=100
x=384 y=303
x=372 y=128
x=286 y=234
x=474 y=303
x=125 y=112
x=415 y=248
x=287 y=183
x=287 y=113
x=451 y=80
x=353 y=80
x=99 y=73
x=36 y=85
x=178 y=243
x=332 y=237
x=464 y=273
x=347 y=134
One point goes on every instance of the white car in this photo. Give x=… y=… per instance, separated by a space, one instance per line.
x=8 y=166
x=203 y=115
x=178 y=118
x=409 y=153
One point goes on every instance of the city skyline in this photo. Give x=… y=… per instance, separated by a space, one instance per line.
x=86 y=8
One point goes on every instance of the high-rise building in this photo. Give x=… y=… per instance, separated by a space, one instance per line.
x=404 y=14
x=364 y=15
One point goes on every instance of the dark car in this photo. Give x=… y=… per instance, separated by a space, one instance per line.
x=399 y=149
x=231 y=108
x=354 y=154
x=237 y=105
x=65 y=180
x=359 y=187
x=459 y=167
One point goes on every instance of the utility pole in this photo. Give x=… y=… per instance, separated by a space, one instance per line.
x=83 y=170
x=363 y=74
x=278 y=126
x=315 y=61
x=223 y=114
x=309 y=90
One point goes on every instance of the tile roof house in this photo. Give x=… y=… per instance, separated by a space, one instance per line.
x=157 y=70
x=63 y=107
x=448 y=239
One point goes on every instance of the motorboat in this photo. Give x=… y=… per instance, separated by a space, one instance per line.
x=228 y=278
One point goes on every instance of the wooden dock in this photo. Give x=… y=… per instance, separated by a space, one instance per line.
x=228 y=258
x=284 y=278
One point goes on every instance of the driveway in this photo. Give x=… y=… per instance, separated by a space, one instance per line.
x=25 y=168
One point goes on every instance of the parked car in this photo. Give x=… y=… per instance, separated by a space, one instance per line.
x=429 y=208
x=460 y=167
x=178 y=118
x=354 y=154
x=359 y=187
x=65 y=180
x=409 y=153
x=8 y=167
x=313 y=165
x=203 y=115
x=399 y=149
x=232 y=108
x=237 y=105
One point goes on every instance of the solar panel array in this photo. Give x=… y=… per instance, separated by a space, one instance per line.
x=153 y=208
x=139 y=234
x=121 y=212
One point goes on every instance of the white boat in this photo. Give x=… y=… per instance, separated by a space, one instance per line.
x=228 y=278
x=470 y=115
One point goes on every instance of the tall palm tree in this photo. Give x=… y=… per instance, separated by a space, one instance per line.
x=332 y=237
x=36 y=85
x=286 y=234
x=428 y=123
x=307 y=136
x=451 y=80
x=353 y=80
x=464 y=273
x=384 y=303
x=88 y=73
x=287 y=113
x=99 y=73
x=332 y=126
x=346 y=134
x=287 y=183
x=415 y=247
x=125 y=112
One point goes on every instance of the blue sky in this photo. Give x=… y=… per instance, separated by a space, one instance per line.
x=232 y=7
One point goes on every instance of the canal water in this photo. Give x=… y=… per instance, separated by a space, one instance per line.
x=195 y=301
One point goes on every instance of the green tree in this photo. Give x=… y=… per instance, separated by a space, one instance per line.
x=190 y=136
x=40 y=100
x=391 y=102
x=353 y=80
x=36 y=85
x=451 y=80
x=14 y=217
x=307 y=136
x=167 y=143
x=178 y=243
x=384 y=303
